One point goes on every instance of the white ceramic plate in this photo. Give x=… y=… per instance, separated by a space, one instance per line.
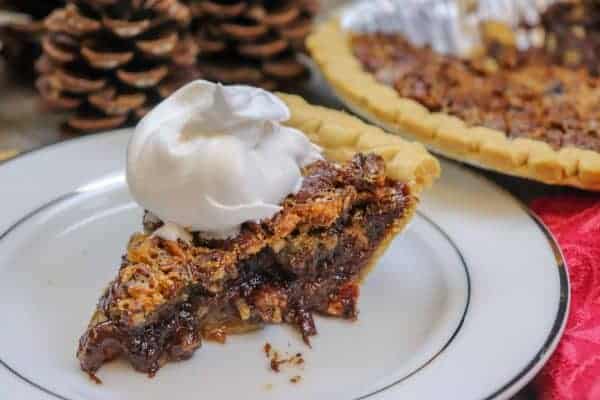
x=467 y=304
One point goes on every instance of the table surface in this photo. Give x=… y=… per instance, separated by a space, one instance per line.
x=25 y=125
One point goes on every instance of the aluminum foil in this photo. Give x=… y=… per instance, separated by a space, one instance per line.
x=448 y=26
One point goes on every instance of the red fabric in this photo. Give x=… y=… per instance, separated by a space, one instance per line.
x=573 y=372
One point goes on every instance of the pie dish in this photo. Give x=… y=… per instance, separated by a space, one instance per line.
x=61 y=247
x=309 y=257
x=519 y=113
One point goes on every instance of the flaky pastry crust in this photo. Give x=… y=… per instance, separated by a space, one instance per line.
x=342 y=136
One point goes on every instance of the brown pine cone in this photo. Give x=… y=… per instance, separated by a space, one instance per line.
x=110 y=61
x=20 y=42
x=254 y=42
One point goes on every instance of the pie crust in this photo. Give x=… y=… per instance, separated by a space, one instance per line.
x=330 y=47
x=341 y=136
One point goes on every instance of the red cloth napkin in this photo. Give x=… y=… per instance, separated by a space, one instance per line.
x=573 y=372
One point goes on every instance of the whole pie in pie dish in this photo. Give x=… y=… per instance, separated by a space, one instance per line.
x=533 y=113
x=308 y=258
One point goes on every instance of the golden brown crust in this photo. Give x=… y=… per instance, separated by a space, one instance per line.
x=487 y=148
x=342 y=136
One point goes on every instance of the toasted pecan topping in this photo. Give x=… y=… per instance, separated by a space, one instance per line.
x=305 y=259
x=522 y=93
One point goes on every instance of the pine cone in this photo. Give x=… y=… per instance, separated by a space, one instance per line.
x=20 y=42
x=254 y=42
x=110 y=61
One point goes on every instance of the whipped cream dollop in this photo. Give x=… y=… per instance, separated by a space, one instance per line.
x=211 y=157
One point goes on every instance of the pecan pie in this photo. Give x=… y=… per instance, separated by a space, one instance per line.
x=309 y=258
x=533 y=113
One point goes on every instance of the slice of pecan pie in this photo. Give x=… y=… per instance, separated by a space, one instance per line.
x=309 y=258
x=527 y=112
